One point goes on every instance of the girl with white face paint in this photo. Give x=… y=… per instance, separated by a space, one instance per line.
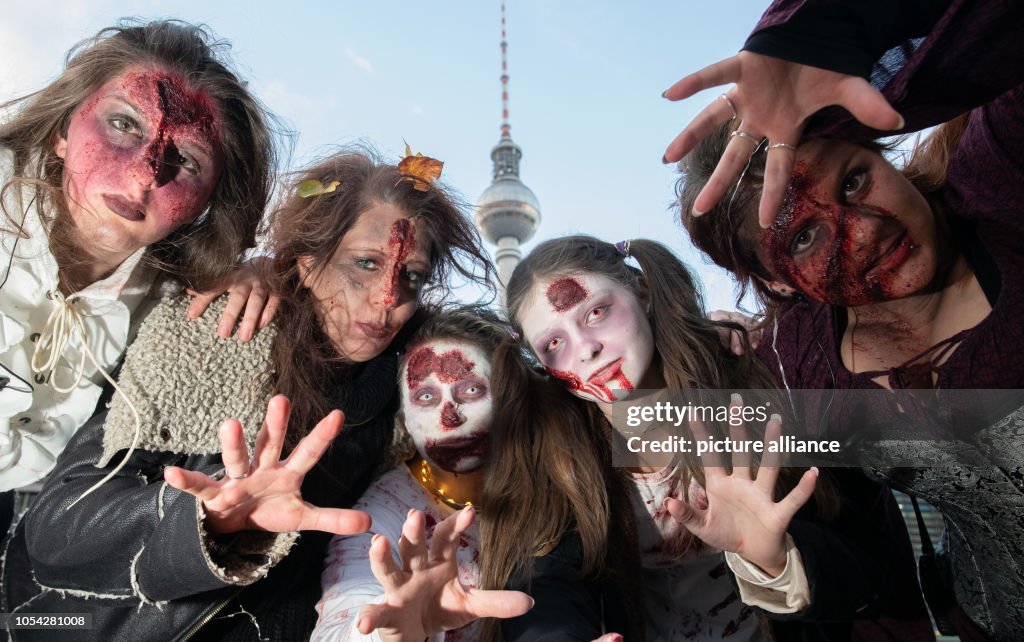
x=604 y=329
x=426 y=507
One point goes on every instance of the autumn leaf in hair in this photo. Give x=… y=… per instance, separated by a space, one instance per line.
x=314 y=187
x=423 y=170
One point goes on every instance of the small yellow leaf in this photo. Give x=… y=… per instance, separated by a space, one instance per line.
x=313 y=187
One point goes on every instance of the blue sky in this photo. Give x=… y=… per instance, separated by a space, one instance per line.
x=585 y=84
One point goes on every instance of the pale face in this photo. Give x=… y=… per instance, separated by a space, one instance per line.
x=446 y=400
x=590 y=332
x=853 y=230
x=142 y=157
x=371 y=285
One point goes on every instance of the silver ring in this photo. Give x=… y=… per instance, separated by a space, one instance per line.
x=744 y=135
x=731 y=106
x=236 y=477
x=782 y=146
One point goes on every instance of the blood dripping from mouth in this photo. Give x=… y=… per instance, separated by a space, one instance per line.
x=600 y=391
x=449 y=366
x=565 y=294
x=400 y=245
x=450 y=417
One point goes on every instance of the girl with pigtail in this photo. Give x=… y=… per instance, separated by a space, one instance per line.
x=605 y=329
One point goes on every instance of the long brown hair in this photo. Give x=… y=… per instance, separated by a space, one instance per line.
x=551 y=474
x=312 y=228
x=728 y=233
x=199 y=254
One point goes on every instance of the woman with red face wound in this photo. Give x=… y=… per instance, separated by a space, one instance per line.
x=197 y=535
x=605 y=329
x=422 y=508
x=147 y=160
x=877 y=278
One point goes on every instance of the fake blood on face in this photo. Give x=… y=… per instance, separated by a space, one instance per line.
x=565 y=294
x=401 y=243
x=449 y=367
x=836 y=272
x=450 y=417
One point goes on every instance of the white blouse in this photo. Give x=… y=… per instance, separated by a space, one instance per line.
x=37 y=420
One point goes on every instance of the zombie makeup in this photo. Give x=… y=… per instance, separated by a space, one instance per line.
x=142 y=156
x=447 y=404
x=852 y=230
x=371 y=285
x=591 y=333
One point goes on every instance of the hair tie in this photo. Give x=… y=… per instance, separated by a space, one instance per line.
x=622 y=247
x=515 y=335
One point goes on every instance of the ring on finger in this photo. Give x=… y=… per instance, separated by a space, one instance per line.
x=782 y=146
x=731 y=106
x=746 y=136
x=243 y=475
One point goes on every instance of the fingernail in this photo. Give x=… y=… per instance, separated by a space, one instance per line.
x=696 y=212
x=776 y=417
x=764 y=225
x=664 y=159
x=532 y=602
x=409 y=514
x=816 y=471
x=373 y=540
x=736 y=398
x=903 y=123
x=664 y=94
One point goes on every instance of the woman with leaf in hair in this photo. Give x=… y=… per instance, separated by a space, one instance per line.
x=190 y=535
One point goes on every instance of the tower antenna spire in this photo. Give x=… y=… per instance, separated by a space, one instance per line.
x=506 y=127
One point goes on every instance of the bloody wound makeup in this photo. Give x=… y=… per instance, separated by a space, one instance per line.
x=565 y=294
x=856 y=247
x=449 y=366
x=401 y=243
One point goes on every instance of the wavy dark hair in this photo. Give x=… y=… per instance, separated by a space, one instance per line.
x=202 y=253
x=312 y=228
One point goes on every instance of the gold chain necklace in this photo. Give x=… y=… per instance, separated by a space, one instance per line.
x=427 y=481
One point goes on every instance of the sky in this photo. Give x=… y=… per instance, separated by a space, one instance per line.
x=585 y=89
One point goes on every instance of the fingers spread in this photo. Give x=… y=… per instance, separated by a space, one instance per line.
x=768 y=473
x=719 y=73
x=315 y=444
x=703 y=125
x=412 y=545
x=799 y=496
x=778 y=169
x=502 y=604
x=234 y=452
x=382 y=563
x=192 y=482
x=340 y=521
x=868 y=105
x=270 y=439
x=738 y=433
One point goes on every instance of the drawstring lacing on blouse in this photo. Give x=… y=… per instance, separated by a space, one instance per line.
x=63 y=323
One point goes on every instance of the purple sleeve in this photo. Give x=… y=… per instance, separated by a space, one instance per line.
x=969 y=57
x=986 y=173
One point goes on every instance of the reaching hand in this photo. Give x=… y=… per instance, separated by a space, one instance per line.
x=248 y=292
x=423 y=596
x=773 y=98
x=733 y=339
x=264 y=493
x=742 y=515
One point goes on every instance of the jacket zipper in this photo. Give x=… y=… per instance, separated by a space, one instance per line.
x=203 y=622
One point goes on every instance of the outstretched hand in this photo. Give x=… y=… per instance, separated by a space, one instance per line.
x=773 y=98
x=246 y=291
x=265 y=492
x=742 y=515
x=424 y=596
